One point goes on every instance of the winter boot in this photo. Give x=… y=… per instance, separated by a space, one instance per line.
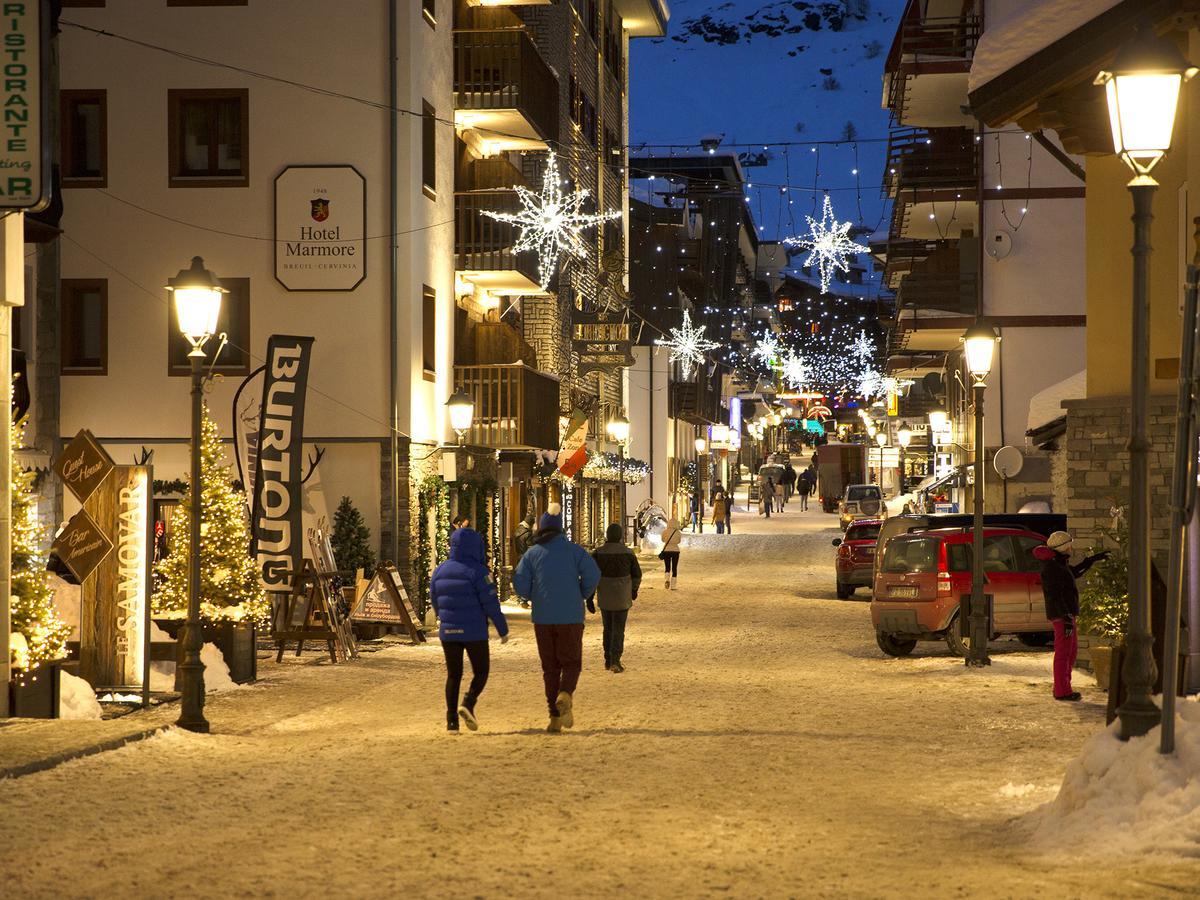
x=467 y=713
x=668 y=584
x=617 y=667
x=674 y=583
x=565 y=713
x=1071 y=697
x=452 y=722
x=555 y=726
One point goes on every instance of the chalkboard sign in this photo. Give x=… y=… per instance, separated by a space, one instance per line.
x=83 y=465
x=81 y=546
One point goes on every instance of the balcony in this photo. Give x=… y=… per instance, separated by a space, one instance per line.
x=944 y=280
x=694 y=402
x=516 y=407
x=503 y=91
x=925 y=77
x=483 y=252
x=931 y=162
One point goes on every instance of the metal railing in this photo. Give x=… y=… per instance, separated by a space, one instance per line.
x=927 y=159
x=482 y=244
x=925 y=46
x=952 y=292
x=516 y=407
x=502 y=69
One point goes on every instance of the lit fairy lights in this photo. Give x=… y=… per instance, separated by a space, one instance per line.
x=688 y=345
x=794 y=372
x=767 y=348
x=828 y=244
x=551 y=222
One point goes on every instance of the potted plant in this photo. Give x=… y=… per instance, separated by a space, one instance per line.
x=1104 y=601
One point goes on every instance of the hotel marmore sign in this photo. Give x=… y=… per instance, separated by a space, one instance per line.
x=320 y=228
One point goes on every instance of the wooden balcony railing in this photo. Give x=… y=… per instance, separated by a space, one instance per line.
x=481 y=244
x=516 y=407
x=502 y=69
x=695 y=401
x=927 y=45
x=931 y=159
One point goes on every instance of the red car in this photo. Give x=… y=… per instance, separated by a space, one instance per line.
x=856 y=556
x=924 y=575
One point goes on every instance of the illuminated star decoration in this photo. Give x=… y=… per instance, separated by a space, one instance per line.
x=863 y=349
x=828 y=244
x=896 y=386
x=688 y=345
x=870 y=384
x=551 y=221
x=767 y=348
x=794 y=371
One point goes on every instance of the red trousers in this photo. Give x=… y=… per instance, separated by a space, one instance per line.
x=1065 y=648
x=561 y=650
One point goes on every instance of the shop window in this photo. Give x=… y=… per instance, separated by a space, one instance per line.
x=84 y=138
x=84 y=326
x=234 y=321
x=209 y=139
x=429 y=331
x=429 y=150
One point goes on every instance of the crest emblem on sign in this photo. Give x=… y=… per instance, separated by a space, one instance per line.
x=320 y=209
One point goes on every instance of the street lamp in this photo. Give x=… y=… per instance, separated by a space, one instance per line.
x=197 y=295
x=904 y=438
x=938 y=420
x=881 y=440
x=462 y=413
x=1142 y=89
x=979 y=343
x=618 y=431
x=701 y=446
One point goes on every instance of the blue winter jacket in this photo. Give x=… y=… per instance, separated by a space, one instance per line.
x=461 y=595
x=556 y=575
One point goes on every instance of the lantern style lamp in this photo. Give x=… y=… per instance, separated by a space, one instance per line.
x=881 y=439
x=462 y=413
x=938 y=420
x=979 y=345
x=701 y=444
x=197 y=295
x=618 y=429
x=904 y=436
x=618 y=432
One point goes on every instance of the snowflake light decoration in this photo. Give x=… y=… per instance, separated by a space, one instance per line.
x=795 y=373
x=828 y=244
x=767 y=349
x=688 y=345
x=862 y=351
x=870 y=384
x=896 y=386
x=551 y=221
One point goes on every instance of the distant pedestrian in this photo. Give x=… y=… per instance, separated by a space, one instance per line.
x=697 y=510
x=719 y=514
x=460 y=522
x=789 y=481
x=768 y=496
x=620 y=578
x=671 y=538
x=1061 y=596
x=464 y=600
x=556 y=575
x=803 y=488
x=779 y=494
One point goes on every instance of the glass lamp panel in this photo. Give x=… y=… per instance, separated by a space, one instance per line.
x=197 y=310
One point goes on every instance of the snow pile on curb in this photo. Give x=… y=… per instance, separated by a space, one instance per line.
x=216 y=672
x=1126 y=798
x=76 y=699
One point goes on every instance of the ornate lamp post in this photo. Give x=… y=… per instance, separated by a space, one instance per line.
x=979 y=344
x=197 y=295
x=618 y=431
x=1142 y=90
x=462 y=414
x=881 y=441
x=701 y=446
x=904 y=438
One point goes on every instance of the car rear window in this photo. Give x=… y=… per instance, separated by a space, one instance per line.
x=862 y=533
x=862 y=492
x=958 y=557
x=911 y=554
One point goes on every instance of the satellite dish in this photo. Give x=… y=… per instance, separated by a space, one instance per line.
x=1008 y=462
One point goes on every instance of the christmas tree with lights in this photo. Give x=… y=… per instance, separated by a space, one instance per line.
x=229 y=585
x=33 y=614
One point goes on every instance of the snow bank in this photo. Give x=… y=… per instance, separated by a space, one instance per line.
x=1028 y=29
x=216 y=672
x=1126 y=798
x=1046 y=405
x=76 y=699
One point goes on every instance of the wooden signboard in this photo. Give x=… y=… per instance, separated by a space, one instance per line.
x=114 y=613
x=83 y=465
x=82 y=545
x=386 y=602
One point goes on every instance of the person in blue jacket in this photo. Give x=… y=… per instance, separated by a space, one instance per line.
x=557 y=576
x=464 y=599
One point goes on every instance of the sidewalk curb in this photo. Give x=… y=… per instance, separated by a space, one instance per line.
x=52 y=762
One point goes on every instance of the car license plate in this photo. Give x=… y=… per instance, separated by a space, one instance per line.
x=909 y=591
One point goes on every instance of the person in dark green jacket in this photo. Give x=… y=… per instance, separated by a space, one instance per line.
x=620 y=578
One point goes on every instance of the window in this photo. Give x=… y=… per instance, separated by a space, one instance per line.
x=209 y=138
x=1026 y=561
x=862 y=533
x=998 y=554
x=84 y=138
x=429 y=331
x=429 y=10
x=429 y=150
x=84 y=326
x=234 y=321
x=910 y=554
x=583 y=113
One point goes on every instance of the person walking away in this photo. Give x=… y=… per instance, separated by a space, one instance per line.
x=779 y=496
x=789 y=481
x=1061 y=596
x=802 y=488
x=719 y=512
x=556 y=575
x=671 y=538
x=522 y=541
x=729 y=512
x=697 y=510
x=464 y=600
x=768 y=493
x=620 y=578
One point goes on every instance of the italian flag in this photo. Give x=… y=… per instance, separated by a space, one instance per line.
x=573 y=453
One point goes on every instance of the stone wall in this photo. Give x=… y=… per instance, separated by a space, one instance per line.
x=1098 y=466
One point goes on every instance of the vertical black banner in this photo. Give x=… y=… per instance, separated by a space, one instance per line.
x=278 y=541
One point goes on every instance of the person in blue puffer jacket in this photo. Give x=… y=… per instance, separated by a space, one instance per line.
x=557 y=576
x=464 y=599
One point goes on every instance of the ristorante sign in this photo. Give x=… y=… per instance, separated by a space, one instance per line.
x=320 y=228
x=24 y=155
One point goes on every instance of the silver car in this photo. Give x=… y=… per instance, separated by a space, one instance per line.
x=861 y=501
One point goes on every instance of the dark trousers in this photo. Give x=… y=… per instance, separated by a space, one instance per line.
x=614 y=634
x=671 y=559
x=477 y=653
x=561 y=650
x=720 y=523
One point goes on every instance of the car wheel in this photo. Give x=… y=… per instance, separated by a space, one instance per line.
x=844 y=591
x=894 y=645
x=1035 y=638
x=959 y=644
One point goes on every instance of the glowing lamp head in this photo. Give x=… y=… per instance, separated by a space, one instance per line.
x=979 y=344
x=197 y=294
x=938 y=420
x=618 y=429
x=904 y=436
x=1142 y=90
x=462 y=412
x=701 y=444
x=881 y=439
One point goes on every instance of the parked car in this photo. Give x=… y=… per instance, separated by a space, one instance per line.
x=855 y=561
x=924 y=575
x=861 y=501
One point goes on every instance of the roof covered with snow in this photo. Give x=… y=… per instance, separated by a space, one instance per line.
x=1031 y=27
x=1046 y=405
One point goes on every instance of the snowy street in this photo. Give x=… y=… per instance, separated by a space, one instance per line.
x=758 y=745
